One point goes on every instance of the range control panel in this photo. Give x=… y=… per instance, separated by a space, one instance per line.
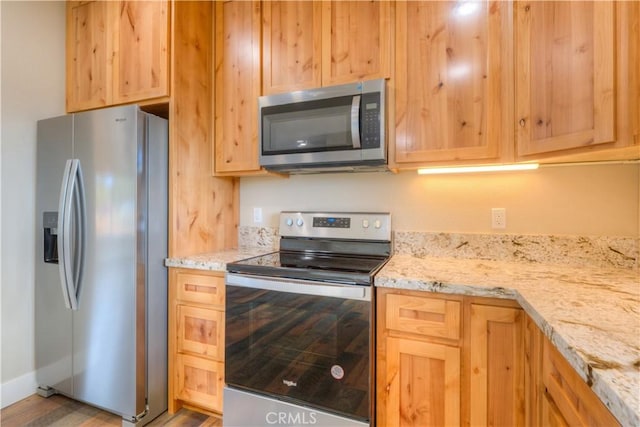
x=336 y=225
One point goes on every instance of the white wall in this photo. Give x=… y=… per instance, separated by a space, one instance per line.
x=597 y=200
x=32 y=40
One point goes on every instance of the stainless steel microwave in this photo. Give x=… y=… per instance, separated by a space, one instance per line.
x=330 y=129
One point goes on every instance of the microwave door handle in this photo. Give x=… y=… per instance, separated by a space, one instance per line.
x=355 y=121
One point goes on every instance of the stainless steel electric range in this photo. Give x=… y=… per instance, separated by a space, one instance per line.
x=299 y=323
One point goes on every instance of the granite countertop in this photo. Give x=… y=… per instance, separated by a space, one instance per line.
x=591 y=315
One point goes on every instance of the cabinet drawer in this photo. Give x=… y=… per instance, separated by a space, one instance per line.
x=577 y=403
x=200 y=381
x=432 y=317
x=200 y=288
x=201 y=331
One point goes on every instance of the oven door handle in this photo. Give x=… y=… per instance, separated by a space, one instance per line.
x=355 y=292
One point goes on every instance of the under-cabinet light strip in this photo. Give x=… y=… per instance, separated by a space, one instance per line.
x=470 y=169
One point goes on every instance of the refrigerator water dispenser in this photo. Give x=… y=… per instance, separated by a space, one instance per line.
x=50 y=225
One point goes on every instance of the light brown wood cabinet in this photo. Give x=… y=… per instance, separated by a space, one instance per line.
x=196 y=339
x=568 y=400
x=556 y=396
x=453 y=82
x=117 y=52
x=576 y=77
x=440 y=359
x=308 y=44
x=496 y=371
x=237 y=86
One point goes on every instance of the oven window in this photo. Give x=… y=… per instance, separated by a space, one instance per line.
x=307 y=127
x=300 y=348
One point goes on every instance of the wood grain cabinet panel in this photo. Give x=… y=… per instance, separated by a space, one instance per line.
x=200 y=331
x=356 y=41
x=423 y=387
x=142 y=52
x=200 y=381
x=425 y=316
x=453 y=82
x=496 y=353
x=88 y=55
x=576 y=403
x=237 y=86
x=199 y=288
x=576 y=73
x=291 y=46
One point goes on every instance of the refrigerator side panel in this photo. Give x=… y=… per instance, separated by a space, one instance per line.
x=104 y=326
x=157 y=142
x=53 y=321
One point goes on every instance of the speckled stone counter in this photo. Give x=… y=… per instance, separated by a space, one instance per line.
x=592 y=315
x=215 y=261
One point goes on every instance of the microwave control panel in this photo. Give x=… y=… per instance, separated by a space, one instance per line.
x=370 y=120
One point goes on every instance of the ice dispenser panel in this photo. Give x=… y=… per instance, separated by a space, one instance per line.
x=50 y=224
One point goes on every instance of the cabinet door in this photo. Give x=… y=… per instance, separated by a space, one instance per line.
x=88 y=55
x=356 y=41
x=574 y=399
x=141 y=65
x=422 y=384
x=496 y=343
x=291 y=47
x=565 y=80
x=200 y=381
x=237 y=86
x=453 y=80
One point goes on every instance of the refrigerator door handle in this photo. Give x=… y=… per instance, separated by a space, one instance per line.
x=64 y=234
x=79 y=234
x=71 y=256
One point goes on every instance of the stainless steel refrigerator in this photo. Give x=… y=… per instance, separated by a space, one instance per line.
x=101 y=284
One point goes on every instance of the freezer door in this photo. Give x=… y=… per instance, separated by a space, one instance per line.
x=109 y=341
x=52 y=319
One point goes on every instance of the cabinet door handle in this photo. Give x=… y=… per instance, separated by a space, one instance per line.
x=522 y=122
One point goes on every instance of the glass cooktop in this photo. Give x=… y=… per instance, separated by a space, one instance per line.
x=339 y=268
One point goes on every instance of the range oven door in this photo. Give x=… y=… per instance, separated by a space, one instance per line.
x=304 y=342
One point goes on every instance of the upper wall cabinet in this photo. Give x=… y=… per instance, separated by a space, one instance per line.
x=237 y=86
x=291 y=47
x=141 y=60
x=356 y=41
x=452 y=82
x=88 y=55
x=321 y=43
x=117 y=52
x=567 y=57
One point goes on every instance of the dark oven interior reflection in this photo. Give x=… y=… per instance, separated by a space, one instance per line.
x=302 y=348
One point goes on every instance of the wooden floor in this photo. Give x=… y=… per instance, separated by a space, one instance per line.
x=60 y=411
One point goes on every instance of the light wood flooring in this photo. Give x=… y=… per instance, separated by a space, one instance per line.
x=59 y=411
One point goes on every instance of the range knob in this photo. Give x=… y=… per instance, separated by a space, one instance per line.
x=377 y=224
x=365 y=223
x=299 y=222
x=289 y=222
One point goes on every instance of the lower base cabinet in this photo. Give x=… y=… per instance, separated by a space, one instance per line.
x=568 y=400
x=196 y=340
x=448 y=360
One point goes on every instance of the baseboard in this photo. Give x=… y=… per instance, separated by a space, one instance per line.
x=18 y=388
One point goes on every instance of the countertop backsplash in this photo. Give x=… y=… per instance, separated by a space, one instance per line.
x=571 y=251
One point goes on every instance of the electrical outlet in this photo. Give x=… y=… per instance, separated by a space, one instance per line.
x=498 y=218
x=257 y=215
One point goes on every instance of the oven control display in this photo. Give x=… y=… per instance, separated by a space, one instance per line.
x=332 y=222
